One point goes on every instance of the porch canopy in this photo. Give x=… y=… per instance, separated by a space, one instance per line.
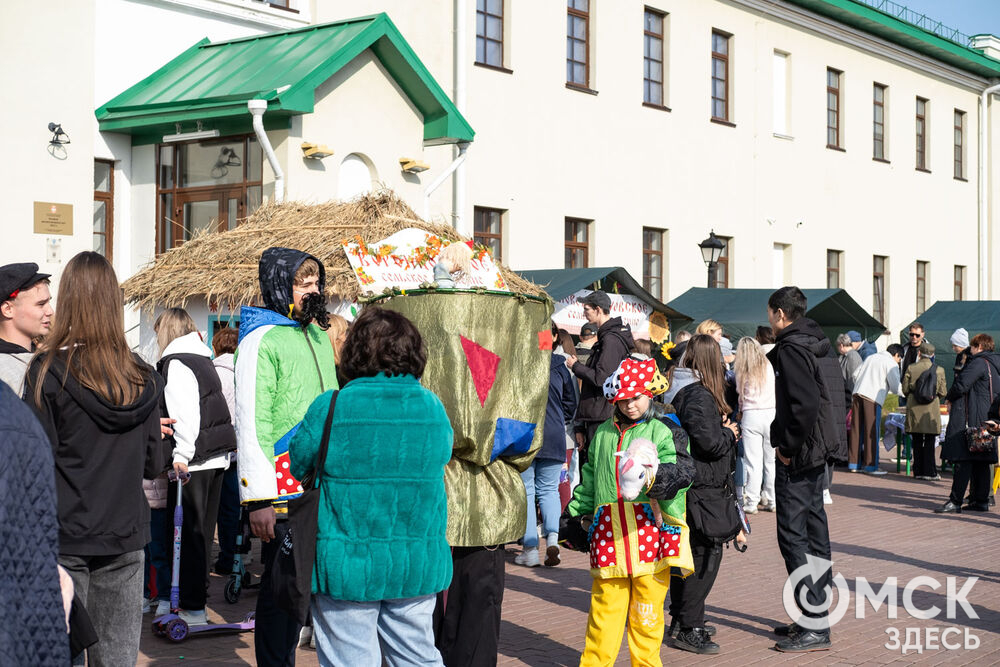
x=563 y=284
x=941 y=320
x=210 y=83
x=741 y=311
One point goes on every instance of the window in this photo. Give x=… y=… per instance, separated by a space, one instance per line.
x=282 y=4
x=878 y=120
x=921 y=287
x=723 y=269
x=488 y=230
x=781 y=89
x=489 y=32
x=959 y=283
x=577 y=243
x=878 y=288
x=959 y=144
x=578 y=43
x=356 y=177
x=922 y=134
x=652 y=261
x=833 y=105
x=206 y=186
x=720 y=75
x=104 y=203
x=653 y=57
x=833 y=262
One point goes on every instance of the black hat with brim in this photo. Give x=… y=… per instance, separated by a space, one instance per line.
x=16 y=277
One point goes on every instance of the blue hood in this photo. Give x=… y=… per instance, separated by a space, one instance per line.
x=252 y=318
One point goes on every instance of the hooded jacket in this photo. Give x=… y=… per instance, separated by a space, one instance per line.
x=803 y=427
x=102 y=453
x=559 y=411
x=281 y=367
x=614 y=342
x=14 y=361
x=203 y=435
x=712 y=447
x=971 y=399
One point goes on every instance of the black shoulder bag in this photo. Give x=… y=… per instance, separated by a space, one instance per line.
x=291 y=573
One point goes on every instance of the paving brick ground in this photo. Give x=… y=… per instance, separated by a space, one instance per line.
x=880 y=528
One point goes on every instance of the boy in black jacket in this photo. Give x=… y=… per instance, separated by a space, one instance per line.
x=804 y=438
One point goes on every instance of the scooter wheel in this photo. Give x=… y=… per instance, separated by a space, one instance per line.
x=177 y=630
x=232 y=592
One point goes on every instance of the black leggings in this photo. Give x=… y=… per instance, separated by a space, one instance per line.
x=200 y=502
x=688 y=596
x=923 y=454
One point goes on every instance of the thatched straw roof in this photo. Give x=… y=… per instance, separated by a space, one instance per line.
x=222 y=266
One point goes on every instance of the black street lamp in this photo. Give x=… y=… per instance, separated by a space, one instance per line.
x=711 y=250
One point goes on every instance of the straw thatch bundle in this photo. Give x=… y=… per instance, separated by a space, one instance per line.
x=222 y=266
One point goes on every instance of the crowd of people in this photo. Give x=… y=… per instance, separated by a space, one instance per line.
x=235 y=423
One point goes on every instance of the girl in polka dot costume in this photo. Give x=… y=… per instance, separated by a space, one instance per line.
x=631 y=556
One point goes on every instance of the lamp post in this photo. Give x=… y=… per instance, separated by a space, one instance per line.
x=711 y=250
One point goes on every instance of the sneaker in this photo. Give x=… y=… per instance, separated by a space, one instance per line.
x=146 y=605
x=750 y=508
x=552 y=550
x=877 y=472
x=696 y=640
x=788 y=630
x=528 y=557
x=934 y=478
x=804 y=641
x=193 y=617
x=305 y=636
x=675 y=627
x=767 y=506
x=162 y=608
x=827 y=498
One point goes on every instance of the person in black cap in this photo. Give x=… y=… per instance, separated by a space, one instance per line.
x=25 y=315
x=588 y=338
x=614 y=342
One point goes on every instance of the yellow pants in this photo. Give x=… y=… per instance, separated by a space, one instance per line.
x=612 y=601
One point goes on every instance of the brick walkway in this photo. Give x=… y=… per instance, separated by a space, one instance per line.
x=880 y=527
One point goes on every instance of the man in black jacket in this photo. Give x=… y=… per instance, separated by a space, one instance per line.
x=614 y=342
x=804 y=436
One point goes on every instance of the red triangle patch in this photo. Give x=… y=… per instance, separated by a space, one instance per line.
x=483 y=365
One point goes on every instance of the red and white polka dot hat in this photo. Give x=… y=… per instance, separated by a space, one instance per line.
x=634 y=376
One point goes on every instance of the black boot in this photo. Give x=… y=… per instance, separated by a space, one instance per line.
x=948 y=508
x=803 y=641
x=976 y=507
x=696 y=640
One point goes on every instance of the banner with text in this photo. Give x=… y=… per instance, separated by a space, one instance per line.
x=635 y=313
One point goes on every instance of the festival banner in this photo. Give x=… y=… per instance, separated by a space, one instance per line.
x=406 y=260
x=635 y=313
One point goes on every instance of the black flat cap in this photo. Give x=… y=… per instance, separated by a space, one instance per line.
x=16 y=277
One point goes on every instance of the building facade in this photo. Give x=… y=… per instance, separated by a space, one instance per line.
x=830 y=144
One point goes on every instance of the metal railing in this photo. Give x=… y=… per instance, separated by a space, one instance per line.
x=921 y=21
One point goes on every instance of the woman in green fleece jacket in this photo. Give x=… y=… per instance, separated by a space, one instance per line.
x=381 y=552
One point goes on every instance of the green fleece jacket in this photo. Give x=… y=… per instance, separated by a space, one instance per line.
x=382 y=510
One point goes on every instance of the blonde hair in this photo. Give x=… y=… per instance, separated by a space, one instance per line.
x=707 y=327
x=750 y=366
x=172 y=324
x=338 y=327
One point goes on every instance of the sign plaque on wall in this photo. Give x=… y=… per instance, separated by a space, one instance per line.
x=53 y=218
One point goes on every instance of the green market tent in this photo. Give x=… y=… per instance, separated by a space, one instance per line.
x=560 y=283
x=741 y=311
x=941 y=320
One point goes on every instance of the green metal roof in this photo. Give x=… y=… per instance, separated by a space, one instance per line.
x=211 y=82
x=903 y=33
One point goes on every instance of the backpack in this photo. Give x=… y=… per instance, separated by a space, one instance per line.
x=925 y=388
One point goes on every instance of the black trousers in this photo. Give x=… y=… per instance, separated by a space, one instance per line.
x=467 y=621
x=228 y=518
x=803 y=529
x=276 y=634
x=687 y=596
x=923 y=454
x=200 y=502
x=978 y=474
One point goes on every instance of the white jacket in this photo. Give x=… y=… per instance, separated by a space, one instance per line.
x=762 y=398
x=182 y=397
x=225 y=366
x=876 y=377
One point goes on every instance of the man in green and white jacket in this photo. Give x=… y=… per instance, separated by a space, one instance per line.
x=283 y=362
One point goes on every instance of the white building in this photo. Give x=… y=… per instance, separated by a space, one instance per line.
x=594 y=120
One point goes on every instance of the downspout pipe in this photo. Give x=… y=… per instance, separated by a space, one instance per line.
x=983 y=190
x=456 y=163
x=257 y=109
x=461 y=65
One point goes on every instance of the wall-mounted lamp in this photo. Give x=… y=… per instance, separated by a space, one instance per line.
x=412 y=166
x=315 y=151
x=59 y=138
x=189 y=136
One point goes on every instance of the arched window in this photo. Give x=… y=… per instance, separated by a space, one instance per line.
x=357 y=175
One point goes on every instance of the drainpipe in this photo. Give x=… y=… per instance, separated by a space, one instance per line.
x=983 y=189
x=462 y=149
x=257 y=109
x=460 y=78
